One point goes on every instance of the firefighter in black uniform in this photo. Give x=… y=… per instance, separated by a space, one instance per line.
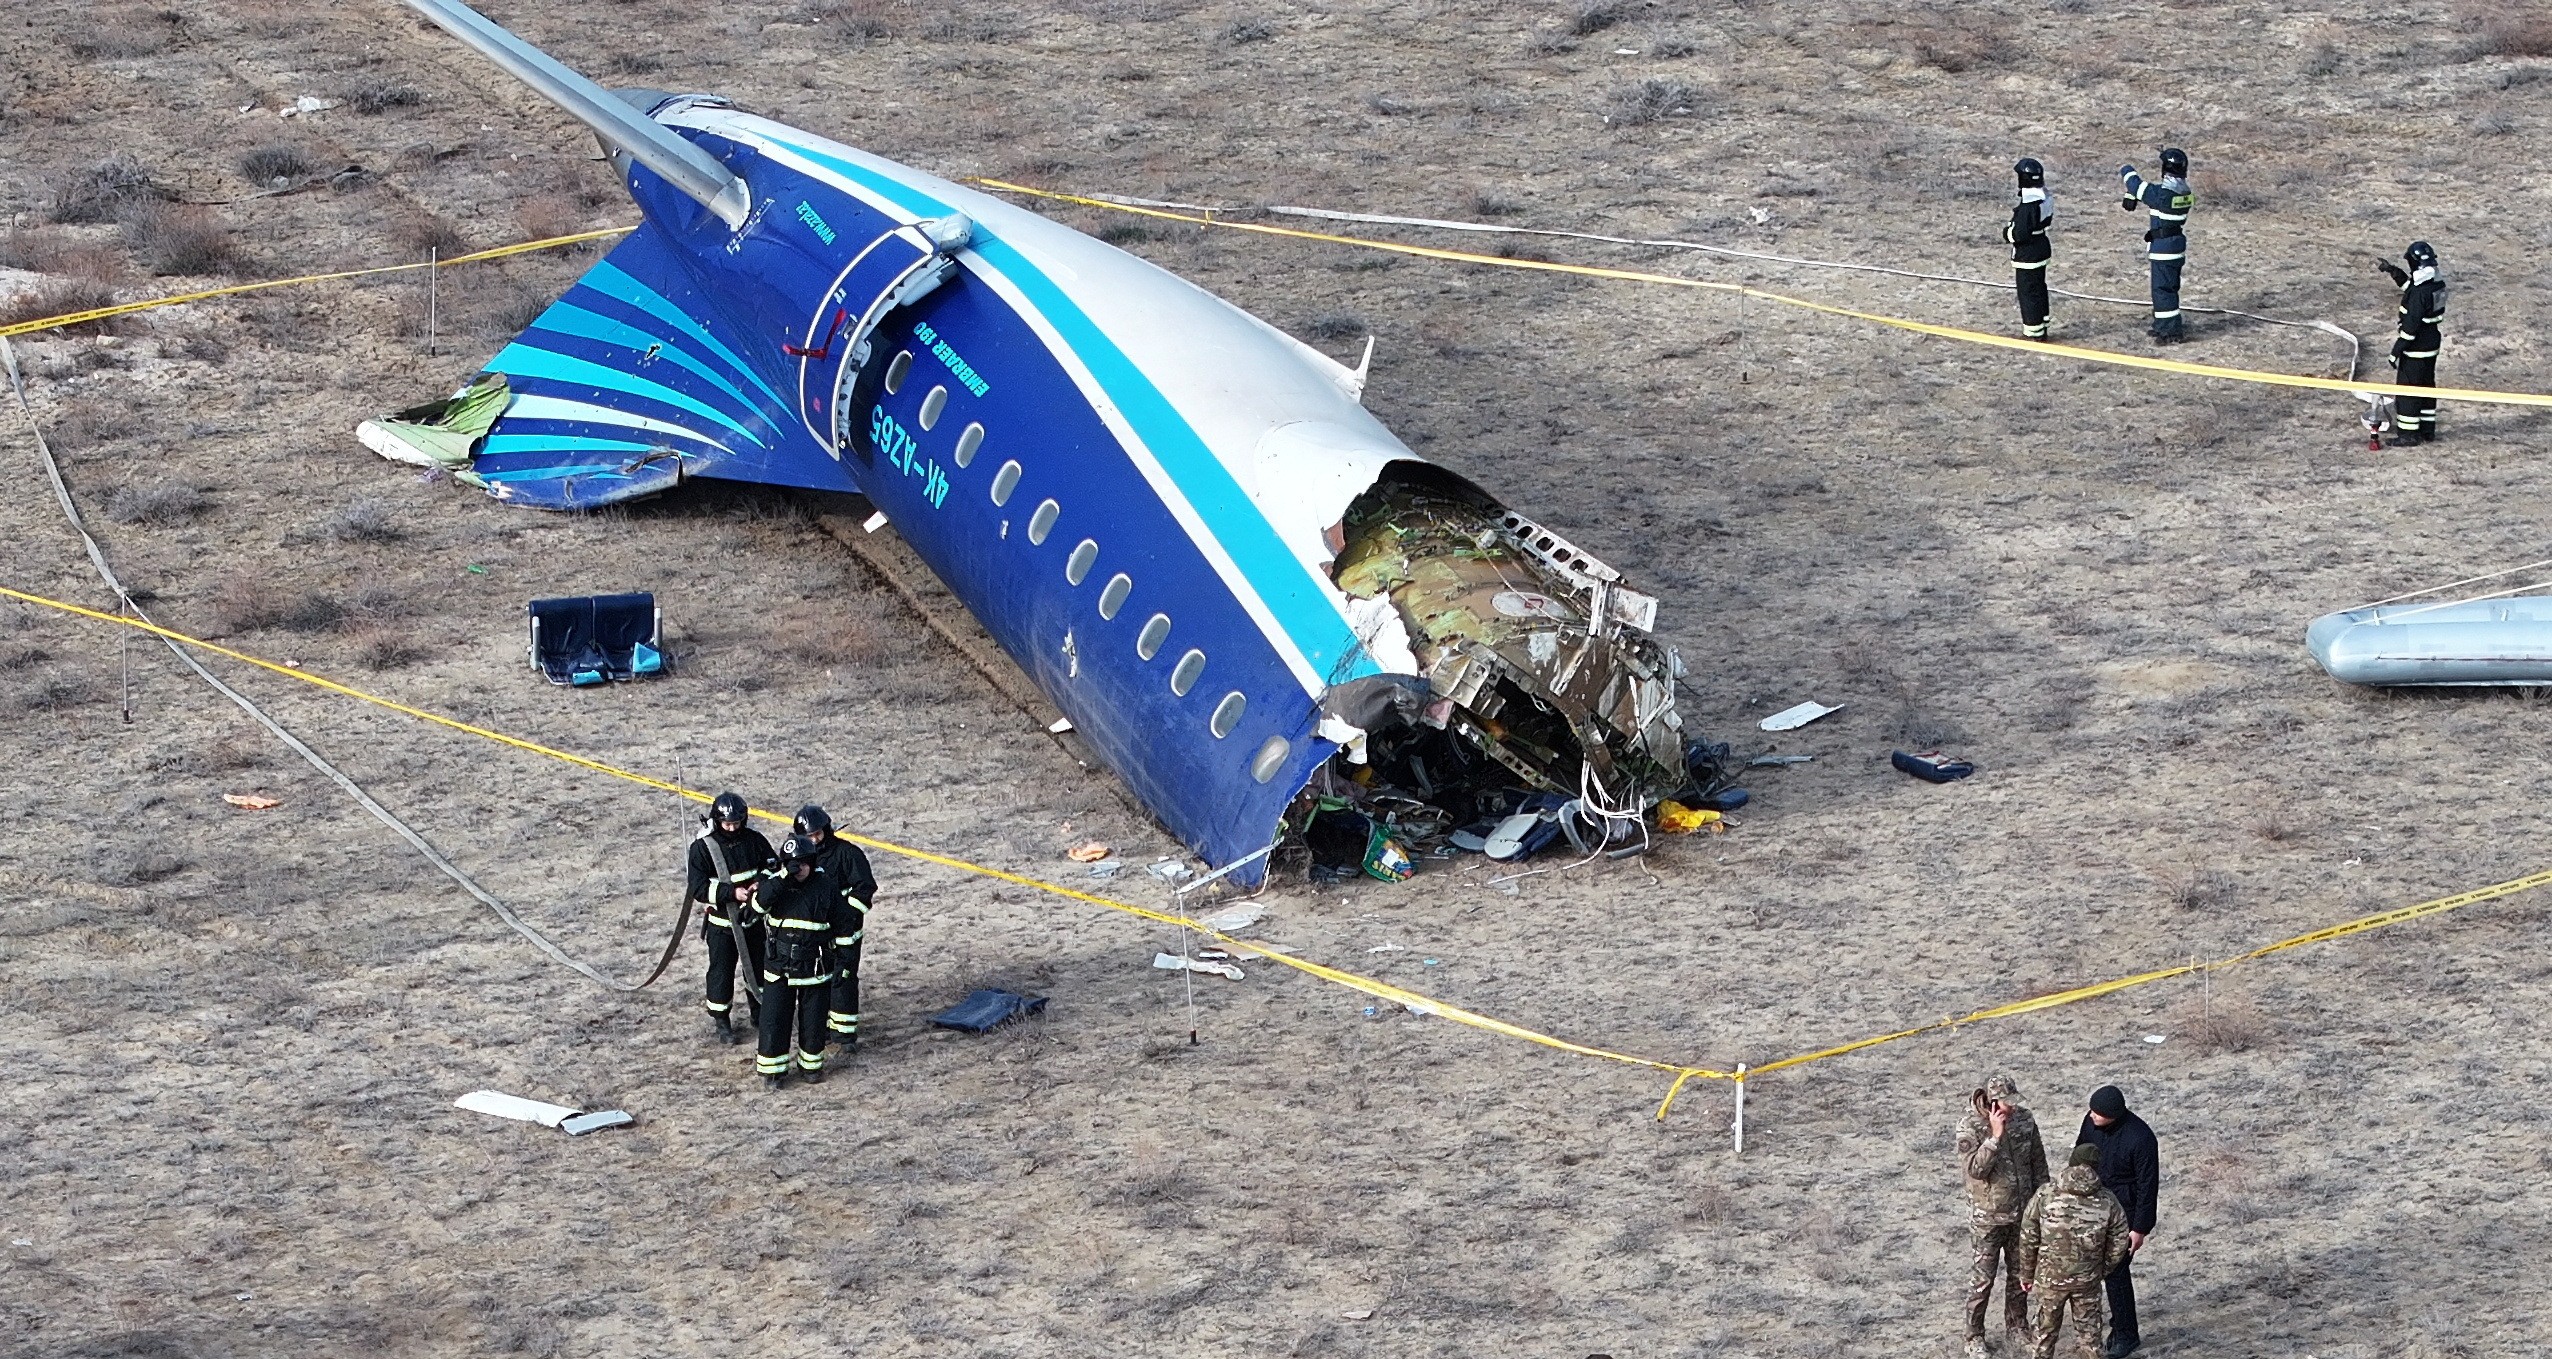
x=803 y=911
x=2032 y=215
x=842 y=862
x=729 y=859
x=2416 y=340
x=2166 y=235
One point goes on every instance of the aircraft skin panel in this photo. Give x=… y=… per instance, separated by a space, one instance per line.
x=1298 y=602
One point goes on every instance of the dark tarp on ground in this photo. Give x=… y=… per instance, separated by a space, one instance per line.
x=987 y=1010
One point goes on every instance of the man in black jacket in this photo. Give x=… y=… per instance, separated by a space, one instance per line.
x=847 y=869
x=2417 y=340
x=2131 y=1168
x=728 y=861
x=2033 y=214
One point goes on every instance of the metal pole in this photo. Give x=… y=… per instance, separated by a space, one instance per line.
x=1739 y=1126
x=433 y=291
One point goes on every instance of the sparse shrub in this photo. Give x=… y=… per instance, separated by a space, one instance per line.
x=2273 y=825
x=253 y=602
x=1920 y=730
x=379 y=95
x=60 y=297
x=1125 y=233
x=1712 y=1202
x=1248 y=30
x=104 y=191
x=1491 y=203
x=545 y=215
x=426 y=231
x=1672 y=46
x=516 y=310
x=1387 y=106
x=279 y=161
x=167 y=240
x=2493 y=123
x=28 y=250
x=141 y=869
x=2511 y=35
x=2223 y=1024
x=122 y=37
x=20 y=655
x=85 y=423
x=379 y=646
x=1340 y=325
x=2323 y=61
x=159 y=506
x=2196 y=889
x=52 y=693
x=633 y=64
x=1636 y=105
x=363 y=521
x=1594 y=16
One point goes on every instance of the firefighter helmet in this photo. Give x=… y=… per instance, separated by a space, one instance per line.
x=728 y=807
x=812 y=819
x=2030 y=173
x=2174 y=161
x=799 y=849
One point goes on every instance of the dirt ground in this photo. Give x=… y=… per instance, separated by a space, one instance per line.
x=233 y=1037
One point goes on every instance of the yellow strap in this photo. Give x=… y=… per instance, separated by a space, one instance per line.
x=1412 y=1000
x=478 y=257
x=2026 y=346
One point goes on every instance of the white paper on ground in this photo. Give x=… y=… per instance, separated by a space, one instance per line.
x=1798 y=716
x=516 y=1107
x=1232 y=918
x=1171 y=962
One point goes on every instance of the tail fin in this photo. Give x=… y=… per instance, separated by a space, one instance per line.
x=682 y=164
x=622 y=388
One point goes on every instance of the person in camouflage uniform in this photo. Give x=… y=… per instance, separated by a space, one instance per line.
x=2004 y=1162
x=2071 y=1235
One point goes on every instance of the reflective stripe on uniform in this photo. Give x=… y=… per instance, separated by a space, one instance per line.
x=772 y=1066
x=717 y=1007
x=793 y=923
x=809 y=1061
x=2419 y=353
x=839 y=1022
x=2033 y=332
x=2158 y=258
x=825 y=980
x=2029 y=264
x=2166 y=315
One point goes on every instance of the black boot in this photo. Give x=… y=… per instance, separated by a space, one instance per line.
x=812 y=1075
x=774 y=1082
x=725 y=1026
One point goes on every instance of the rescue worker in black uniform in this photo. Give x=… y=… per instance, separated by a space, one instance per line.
x=803 y=912
x=2166 y=235
x=2417 y=339
x=842 y=862
x=729 y=860
x=2033 y=214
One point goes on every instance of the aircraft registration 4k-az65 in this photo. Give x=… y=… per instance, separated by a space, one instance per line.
x=1181 y=522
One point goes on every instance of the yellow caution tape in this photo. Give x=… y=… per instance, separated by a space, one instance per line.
x=2143 y=361
x=476 y=257
x=1415 y=1002
x=1411 y=1000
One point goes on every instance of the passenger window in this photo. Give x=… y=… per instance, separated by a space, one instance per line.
x=897 y=370
x=1004 y=482
x=1112 y=598
x=932 y=405
x=968 y=442
x=1156 y=630
x=1042 y=522
x=1184 y=677
x=1270 y=757
x=1076 y=568
x=1227 y=714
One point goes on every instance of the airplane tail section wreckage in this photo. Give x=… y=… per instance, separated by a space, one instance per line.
x=1181 y=522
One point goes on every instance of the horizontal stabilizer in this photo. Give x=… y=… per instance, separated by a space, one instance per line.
x=623 y=388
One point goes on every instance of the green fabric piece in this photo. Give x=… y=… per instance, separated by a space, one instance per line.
x=446 y=432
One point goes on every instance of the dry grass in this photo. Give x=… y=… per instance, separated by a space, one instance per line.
x=364 y=520
x=254 y=601
x=275 y=164
x=160 y=505
x=381 y=645
x=169 y=240
x=827 y=635
x=105 y=191
x=378 y=95
x=2193 y=888
x=60 y=297
x=2221 y=1024
x=2508 y=31
x=1646 y=101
